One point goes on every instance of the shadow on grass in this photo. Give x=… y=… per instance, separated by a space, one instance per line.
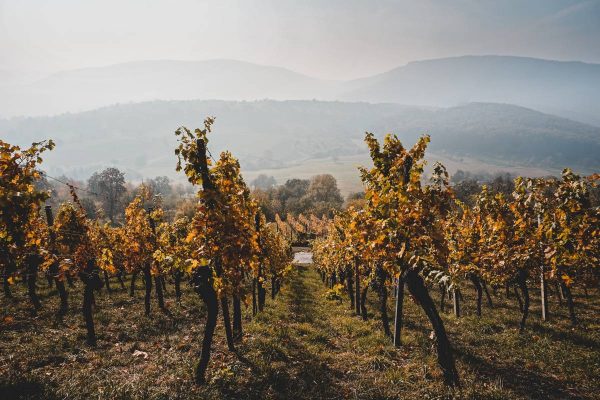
x=566 y=336
x=300 y=371
x=24 y=389
x=521 y=381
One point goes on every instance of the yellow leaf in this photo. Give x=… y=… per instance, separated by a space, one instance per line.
x=567 y=279
x=190 y=237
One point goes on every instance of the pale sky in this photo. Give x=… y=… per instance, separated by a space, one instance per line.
x=333 y=39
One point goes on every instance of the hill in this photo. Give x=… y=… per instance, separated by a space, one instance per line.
x=569 y=89
x=281 y=134
x=90 y=88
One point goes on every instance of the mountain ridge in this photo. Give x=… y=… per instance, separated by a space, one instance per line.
x=565 y=88
x=568 y=89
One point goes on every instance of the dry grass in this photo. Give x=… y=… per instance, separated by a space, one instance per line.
x=301 y=346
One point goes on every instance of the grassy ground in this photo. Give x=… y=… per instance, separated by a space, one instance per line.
x=301 y=346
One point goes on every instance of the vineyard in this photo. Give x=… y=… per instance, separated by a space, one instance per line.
x=410 y=290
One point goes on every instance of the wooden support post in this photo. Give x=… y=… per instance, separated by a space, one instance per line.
x=357 y=288
x=543 y=285
x=456 y=302
x=544 y=294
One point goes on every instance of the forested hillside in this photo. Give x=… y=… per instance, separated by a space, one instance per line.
x=275 y=134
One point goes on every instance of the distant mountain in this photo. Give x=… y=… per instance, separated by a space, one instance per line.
x=275 y=134
x=569 y=89
x=90 y=88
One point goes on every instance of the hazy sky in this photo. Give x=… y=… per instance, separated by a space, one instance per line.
x=335 y=39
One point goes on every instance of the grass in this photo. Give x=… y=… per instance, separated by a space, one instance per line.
x=301 y=346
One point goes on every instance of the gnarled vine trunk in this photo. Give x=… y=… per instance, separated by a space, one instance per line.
x=363 y=303
x=177 y=278
x=88 y=301
x=487 y=294
x=417 y=288
x=569 y=297
x=107 y=282
x=518 y=296
x=383 y=296
x=350 y=287
x=202 y=283
x=60 y=287
x=120 y=279
x=479 y=291
x=522 y=282
x=33 y=262
x=90 y=277
x=148 y=285
x=237 y=317
x=132 y=286
x=558 y=292
x=227 y=323
x=159 y=291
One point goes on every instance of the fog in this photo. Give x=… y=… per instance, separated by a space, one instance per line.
x=503 y=83
x=328 y=39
